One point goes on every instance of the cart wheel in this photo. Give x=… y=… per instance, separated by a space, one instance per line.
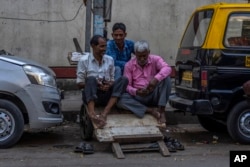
x=86 y=126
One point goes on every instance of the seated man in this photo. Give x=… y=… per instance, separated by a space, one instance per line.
x=120 y=48
x=149 y=83
x=95 y=73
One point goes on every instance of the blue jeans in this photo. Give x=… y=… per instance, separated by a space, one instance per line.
x=118 y=72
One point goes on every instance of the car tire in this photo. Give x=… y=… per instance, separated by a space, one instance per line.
x=11 y=124
x=211 y=125
x=86 y=126
x=238 y=122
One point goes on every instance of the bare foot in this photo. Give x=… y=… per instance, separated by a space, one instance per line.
x=98 y=121
x=156 y=114
x=162 y=118
x=103 y=117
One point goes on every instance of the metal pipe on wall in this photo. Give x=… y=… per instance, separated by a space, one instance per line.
x=88 y=24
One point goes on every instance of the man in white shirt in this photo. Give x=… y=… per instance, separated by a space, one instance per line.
x=95 y=74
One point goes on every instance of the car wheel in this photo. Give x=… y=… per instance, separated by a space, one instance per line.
x=86 y=126
x=238 y=122
x=11 y=124
x=211 y=125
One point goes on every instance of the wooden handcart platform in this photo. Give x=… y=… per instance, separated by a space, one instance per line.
x=127 y=133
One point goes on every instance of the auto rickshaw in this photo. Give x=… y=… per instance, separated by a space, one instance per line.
x=212 y=64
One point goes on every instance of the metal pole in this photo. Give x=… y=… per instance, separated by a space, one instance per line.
x=88 y=25
x=98 y=19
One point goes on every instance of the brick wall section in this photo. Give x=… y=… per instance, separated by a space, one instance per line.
x=65 y=72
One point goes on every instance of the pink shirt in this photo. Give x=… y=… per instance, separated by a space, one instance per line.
x=139 y=77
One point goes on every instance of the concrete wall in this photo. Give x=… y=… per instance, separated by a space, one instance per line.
x=161 y=22
x=43 y=30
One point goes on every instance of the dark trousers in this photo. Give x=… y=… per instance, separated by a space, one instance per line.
x=138 y=105
x=91 y=91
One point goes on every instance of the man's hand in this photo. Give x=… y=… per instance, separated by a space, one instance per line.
x=152 y=84
x=105 y=86
x=142 y=92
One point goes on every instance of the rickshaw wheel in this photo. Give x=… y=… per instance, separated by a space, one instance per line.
x=86 y=126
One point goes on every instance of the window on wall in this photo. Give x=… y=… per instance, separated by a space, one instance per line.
x=238 y=30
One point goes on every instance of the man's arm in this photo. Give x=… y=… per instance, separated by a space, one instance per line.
x=164 y=71
x=81 y=74
x=128 y=73
x=106 y=85
x=163 y=68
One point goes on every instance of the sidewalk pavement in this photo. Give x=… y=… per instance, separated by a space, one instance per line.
x=71 y=105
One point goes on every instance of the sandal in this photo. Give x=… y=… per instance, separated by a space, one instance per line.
x=171 y=147
x=176 y=143
x=85 y=148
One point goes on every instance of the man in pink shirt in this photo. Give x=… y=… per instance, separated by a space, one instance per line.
x=149 y=83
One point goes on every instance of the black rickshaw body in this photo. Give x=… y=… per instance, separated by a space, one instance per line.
x=212 y=63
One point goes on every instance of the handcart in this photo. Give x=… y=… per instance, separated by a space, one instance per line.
x=125 y=131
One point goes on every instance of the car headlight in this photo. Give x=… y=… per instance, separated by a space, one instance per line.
x=39 y=76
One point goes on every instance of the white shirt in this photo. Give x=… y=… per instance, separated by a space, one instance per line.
x=89 y=66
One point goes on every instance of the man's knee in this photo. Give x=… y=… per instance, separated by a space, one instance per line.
x=124 y=80
x=91 y=81
x=167 y=82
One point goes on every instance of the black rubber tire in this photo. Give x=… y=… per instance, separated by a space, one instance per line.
x=238 y=122
x=11 y=124
x=86 y=126
x=211 y=125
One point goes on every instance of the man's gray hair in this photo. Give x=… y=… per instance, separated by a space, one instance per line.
x=141 y=46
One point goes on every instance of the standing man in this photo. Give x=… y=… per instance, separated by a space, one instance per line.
x=119 y=48
x=149 y=83
x=95 y=74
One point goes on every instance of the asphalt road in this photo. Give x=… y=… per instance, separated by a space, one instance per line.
x=55 y=147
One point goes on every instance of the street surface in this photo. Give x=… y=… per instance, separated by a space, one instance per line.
x=55 y=147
